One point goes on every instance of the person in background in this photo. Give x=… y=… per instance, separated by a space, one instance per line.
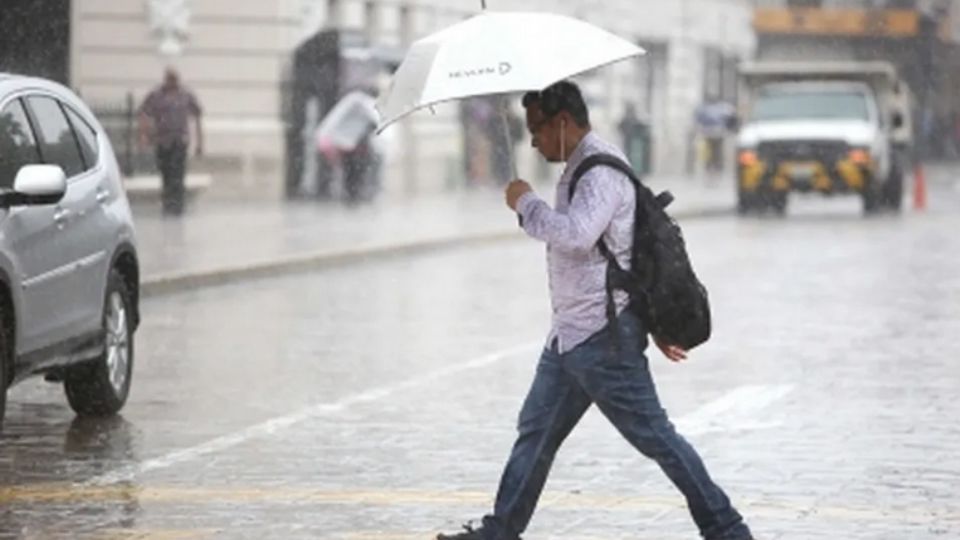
x=714 y=119
x=504 y=131
x=164 y=122
x=476 y=114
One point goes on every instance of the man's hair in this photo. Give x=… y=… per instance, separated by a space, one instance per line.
x=561 y=96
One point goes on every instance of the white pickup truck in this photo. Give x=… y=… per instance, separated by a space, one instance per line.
x=828 y=127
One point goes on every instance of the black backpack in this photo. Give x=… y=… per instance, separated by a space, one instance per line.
x=664 y=290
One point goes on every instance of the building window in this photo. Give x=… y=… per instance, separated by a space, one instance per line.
x=334 y=12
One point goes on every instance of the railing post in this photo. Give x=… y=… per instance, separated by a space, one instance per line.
x=130 y=135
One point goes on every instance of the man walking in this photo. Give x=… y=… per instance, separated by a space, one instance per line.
x=580 y=365
x=164 y=118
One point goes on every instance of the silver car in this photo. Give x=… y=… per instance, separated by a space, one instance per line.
x=69 y=272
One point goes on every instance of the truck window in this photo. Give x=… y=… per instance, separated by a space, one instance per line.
x=840 y=105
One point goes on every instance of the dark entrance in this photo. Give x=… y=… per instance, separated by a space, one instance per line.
x=35 y=38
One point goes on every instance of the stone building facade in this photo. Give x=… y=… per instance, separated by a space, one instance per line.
x=233 y=54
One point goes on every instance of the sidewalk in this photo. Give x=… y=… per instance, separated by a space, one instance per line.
x=218 y=242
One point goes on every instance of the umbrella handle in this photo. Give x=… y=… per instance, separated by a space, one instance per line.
x=505 y=124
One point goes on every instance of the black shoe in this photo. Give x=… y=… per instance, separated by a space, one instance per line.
x=468 y=533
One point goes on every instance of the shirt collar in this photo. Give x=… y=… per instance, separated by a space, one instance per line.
x=579 y=153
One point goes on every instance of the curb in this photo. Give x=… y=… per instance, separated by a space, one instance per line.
x=154 y=286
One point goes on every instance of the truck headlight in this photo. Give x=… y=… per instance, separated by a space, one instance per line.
x=747 y=158
x=860 y=156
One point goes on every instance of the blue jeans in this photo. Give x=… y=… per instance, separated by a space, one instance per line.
x=619 y=382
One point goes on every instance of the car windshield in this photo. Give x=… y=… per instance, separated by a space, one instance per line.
x=838 y=104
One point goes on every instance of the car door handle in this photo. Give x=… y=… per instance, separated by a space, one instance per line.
x=61 y=216
x=102 y=195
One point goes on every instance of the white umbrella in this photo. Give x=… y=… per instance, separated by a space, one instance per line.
x=348 y=122
x=497 y=53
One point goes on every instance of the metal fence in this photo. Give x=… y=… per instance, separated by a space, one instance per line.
x=119 y=121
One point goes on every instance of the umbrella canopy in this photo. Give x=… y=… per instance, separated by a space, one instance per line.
x=497 y=53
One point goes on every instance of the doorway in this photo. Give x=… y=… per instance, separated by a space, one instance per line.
x=35 y=38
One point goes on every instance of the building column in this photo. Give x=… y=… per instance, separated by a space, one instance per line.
x=684 y=89
x=410 y=145
x=372 y=21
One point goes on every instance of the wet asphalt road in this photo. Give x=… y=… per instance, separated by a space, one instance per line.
x=377 y=400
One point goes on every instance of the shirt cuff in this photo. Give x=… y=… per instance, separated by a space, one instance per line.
x=525 y=203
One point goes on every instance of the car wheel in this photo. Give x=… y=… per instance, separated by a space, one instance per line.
x=5 y=375
x=100 y=387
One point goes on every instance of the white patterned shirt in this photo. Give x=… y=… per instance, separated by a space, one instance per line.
x=602 y=204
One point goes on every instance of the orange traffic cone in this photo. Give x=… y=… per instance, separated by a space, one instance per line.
x=919 y=188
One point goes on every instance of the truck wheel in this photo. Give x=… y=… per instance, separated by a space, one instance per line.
x=872 y=201
x=100 y=387
x=746 y=202
x=778 y=201
x=893 y=189
x=872 y=196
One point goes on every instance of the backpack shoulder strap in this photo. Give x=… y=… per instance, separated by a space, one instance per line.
x=613 y=267
x=606 y=160
x=603 y=160
x=609 y=160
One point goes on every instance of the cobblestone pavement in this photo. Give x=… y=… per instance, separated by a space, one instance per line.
x=377 y=401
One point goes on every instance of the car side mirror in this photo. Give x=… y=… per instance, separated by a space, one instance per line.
x=897 y=120
x=36 y=185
